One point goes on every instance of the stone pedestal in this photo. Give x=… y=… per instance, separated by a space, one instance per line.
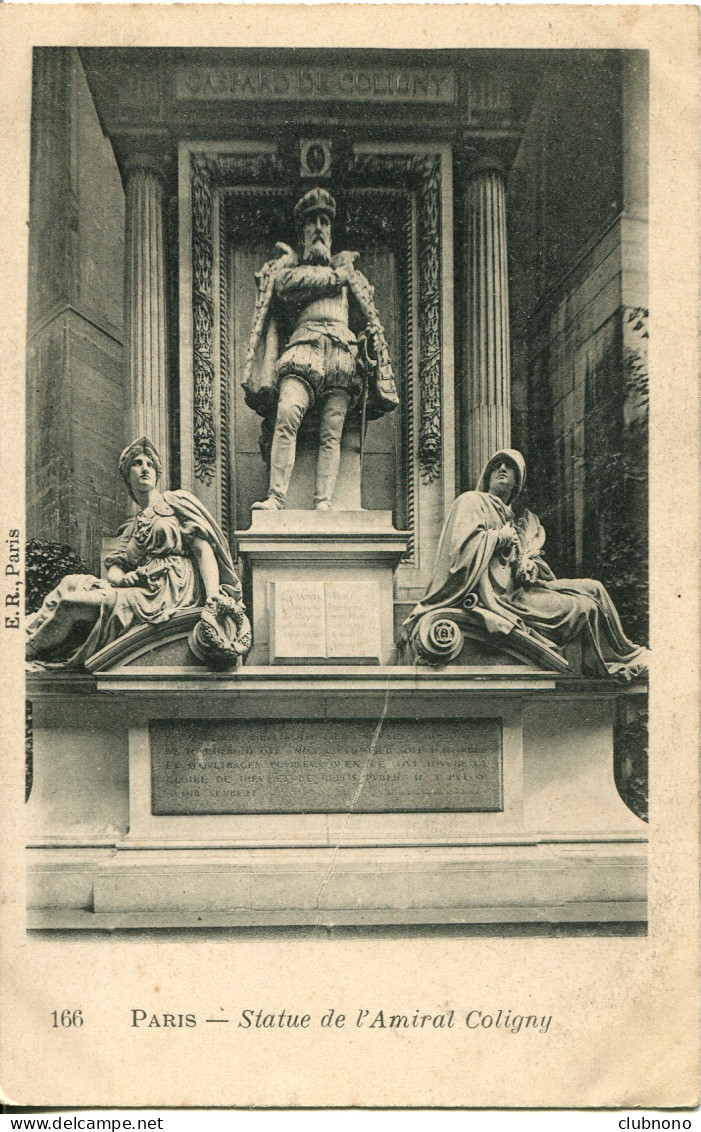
x=166 y=798
x=322 y=586
x=145 y=308
x=487 y=388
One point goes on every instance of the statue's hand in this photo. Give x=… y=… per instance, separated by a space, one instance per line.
x=508 y=536
x=369 y=345
x=145 y=577
x=527 y=571
x=347 y=260
x=132 y=578
x=218 y=603
x=222 y=603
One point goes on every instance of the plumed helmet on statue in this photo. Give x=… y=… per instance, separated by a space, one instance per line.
x=143 y=444
x=316 y=200
x=514 y=457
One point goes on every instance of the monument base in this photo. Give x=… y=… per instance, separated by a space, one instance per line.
x=322 y=586
x=438 y=797
x=537 y=883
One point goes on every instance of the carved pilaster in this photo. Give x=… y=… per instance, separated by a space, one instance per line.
x=203 y=321
x=423 y=174
x=211 y=171
x=487 y=384
x=145 y=308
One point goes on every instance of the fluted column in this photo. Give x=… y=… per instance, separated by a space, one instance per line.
x=487 y=389
x=145 y=308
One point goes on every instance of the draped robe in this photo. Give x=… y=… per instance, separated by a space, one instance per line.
x=159 y=540
x=471 y=562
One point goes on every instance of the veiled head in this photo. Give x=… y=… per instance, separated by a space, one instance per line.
x=505 y=467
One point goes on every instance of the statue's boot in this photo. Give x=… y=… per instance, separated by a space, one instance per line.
x=269 y=504
x=292 y=405
x=333 y=417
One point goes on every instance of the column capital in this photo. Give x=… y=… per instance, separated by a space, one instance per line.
x=486 y=163
x=475 y=154
x=148 y=162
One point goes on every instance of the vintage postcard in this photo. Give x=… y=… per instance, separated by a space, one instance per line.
x=350 y=554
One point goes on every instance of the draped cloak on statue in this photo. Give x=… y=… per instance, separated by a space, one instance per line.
x=472 y=562
x=158 y=541
x=268 y=338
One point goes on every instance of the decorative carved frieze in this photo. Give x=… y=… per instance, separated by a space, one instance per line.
x=339 y=84
x=429 y=318
x=210 y=171
x=243 y=168
x=422 y=173
x=315 y=157
x=225 y=379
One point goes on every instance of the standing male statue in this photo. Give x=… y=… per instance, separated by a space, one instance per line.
x=303 y=351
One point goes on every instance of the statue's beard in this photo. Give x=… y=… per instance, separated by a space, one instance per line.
x=319 y=253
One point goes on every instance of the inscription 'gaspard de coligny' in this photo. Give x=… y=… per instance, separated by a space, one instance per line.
x=341 y=83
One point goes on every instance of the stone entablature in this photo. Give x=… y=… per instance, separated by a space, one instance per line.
x=364 y=84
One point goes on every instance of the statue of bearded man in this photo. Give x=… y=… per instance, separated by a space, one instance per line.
x=304 y=352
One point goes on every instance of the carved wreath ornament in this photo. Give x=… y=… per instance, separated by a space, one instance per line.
x=223 y=633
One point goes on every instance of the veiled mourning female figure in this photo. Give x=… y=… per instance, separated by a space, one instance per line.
x=172 y=555
x=491 y=567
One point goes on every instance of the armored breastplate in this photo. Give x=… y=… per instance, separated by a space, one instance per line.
x=333 y=307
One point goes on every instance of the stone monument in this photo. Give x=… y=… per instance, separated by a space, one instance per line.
x=389 y=742
x=170 y=558
x=322 y=582
x=491 y=579
x=321 y=361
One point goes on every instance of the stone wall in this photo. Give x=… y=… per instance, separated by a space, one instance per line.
x=579 y=304
x=74 y=340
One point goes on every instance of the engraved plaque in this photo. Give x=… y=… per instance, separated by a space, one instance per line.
x=299 y=621
x=326 y=766
x=315 y=622
x=352 y=621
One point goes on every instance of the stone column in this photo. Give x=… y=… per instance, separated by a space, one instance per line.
x=145 y=308
x=487 y=390
x=634 y=132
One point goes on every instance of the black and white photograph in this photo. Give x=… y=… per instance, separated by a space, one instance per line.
x=333 y=578
x=351 y=349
